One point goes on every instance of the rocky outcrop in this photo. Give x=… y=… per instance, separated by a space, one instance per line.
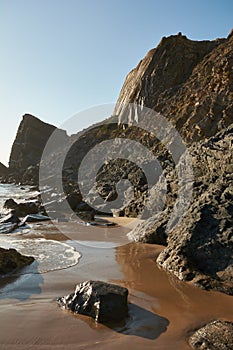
x=11 y=260
x=217 y=335
x=164 y=69
x=102 y=301
x=189 y=82
x=27 y=149
x=204 y=104
x=200 y=248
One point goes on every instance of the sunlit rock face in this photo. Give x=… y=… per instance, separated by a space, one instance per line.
x=189 y=82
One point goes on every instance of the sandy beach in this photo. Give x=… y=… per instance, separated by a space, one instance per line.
x=162 y=310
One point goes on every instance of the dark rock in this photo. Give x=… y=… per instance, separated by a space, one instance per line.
x=22 y=209
x=152 y=231
x=10 y=204
x=74 y=200
x=85 y=215
x=96 y=223
x=11 y=260
x=82 y=206
x=102 y=301
x=26 y=208
x=30 y=175
x=3 y=170
x=10 y=218
x=200 y=247
x=30 y=141
x=35 y=218
x=7 y=228
x=217 y=335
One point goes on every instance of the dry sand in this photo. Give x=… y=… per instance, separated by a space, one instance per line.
x=163 y=310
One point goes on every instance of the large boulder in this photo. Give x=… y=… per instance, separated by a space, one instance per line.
x=102 y=301
x=27 y=149
x=11 y=260
x=217 y=335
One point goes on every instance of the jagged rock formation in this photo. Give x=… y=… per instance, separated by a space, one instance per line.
x=27 y=149
x=102 y=301
x=163 y=69
x=200 y=248
x=199 y=103
x=189 y=82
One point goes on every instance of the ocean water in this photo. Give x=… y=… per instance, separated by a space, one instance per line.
x=49 y=254
x=18 y=193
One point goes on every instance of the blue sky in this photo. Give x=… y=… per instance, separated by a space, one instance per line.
x=62 y=56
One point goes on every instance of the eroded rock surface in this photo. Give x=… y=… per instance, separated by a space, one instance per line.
x=217 y=335
x=188 y=82
x=200 y=248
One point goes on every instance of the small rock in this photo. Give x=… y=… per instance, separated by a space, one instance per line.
x=7 y=228
x=10 y=218
x=102 y=301
x=35 y=218
x=10 y=204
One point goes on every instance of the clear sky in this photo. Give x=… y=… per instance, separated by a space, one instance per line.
x=62 y=56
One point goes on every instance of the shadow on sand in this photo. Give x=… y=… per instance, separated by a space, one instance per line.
x=142 y=323
x=21 y=285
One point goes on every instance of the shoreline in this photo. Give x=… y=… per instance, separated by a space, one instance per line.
x=163 y=310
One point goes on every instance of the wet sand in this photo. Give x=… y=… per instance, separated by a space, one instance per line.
x=162 y=309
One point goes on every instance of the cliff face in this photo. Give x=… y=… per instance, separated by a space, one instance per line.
x=200 y=248
x=28 y=147
x=189 y=82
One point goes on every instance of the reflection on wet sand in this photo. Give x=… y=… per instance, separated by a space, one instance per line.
x=185 y=306
x=162 y=310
